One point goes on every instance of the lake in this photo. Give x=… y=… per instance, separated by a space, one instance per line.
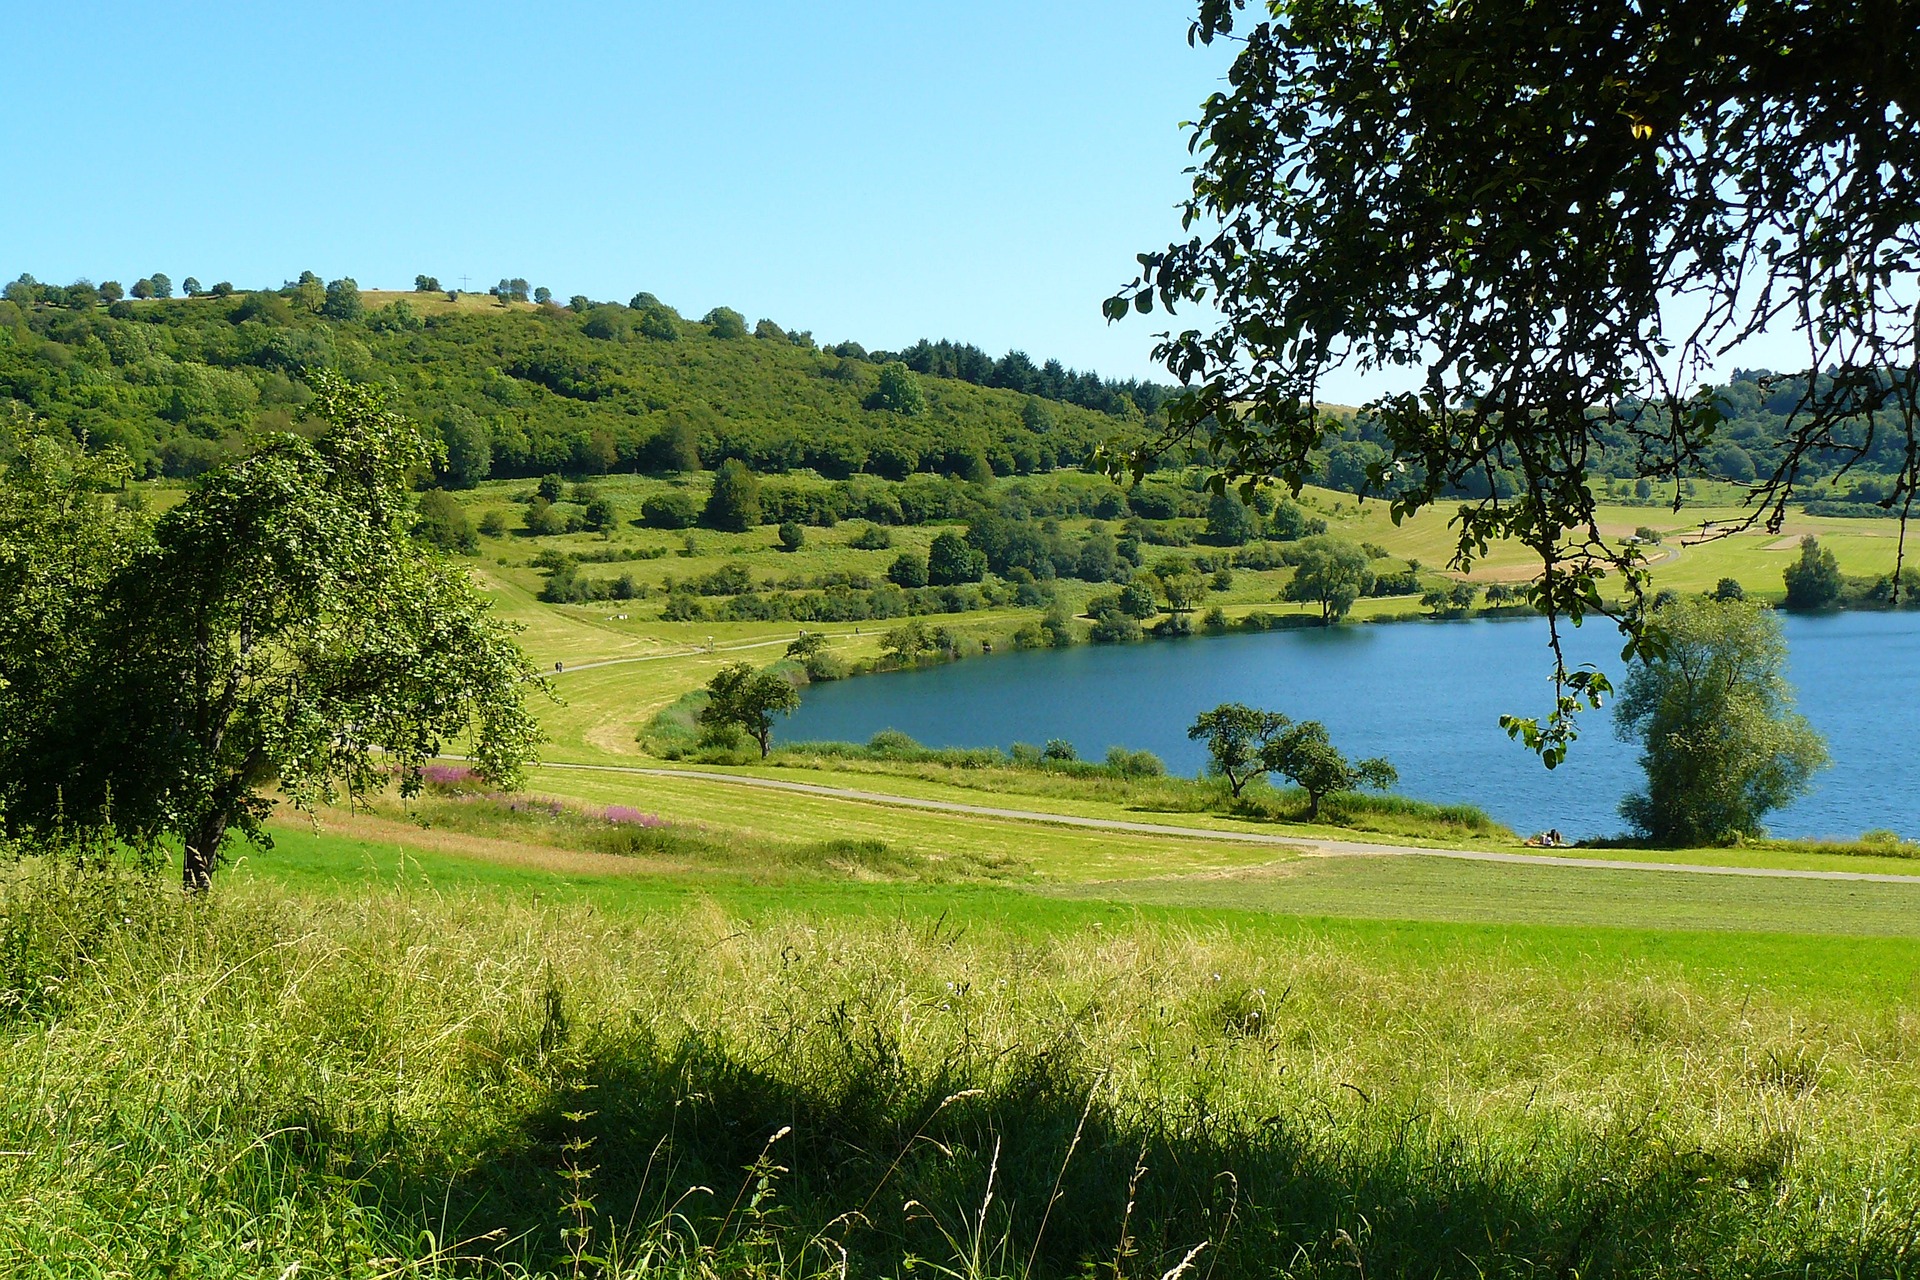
x=1427 y=695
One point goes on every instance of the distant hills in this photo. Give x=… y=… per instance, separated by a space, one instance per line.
x=522 y=388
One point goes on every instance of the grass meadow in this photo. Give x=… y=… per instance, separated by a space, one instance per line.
x=517 y=1037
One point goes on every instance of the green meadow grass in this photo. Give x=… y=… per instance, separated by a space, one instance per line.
x=359 y=1058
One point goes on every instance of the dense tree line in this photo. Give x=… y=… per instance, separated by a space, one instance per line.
x=1016 y=371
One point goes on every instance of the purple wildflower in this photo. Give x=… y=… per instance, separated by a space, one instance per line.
x=621 y=814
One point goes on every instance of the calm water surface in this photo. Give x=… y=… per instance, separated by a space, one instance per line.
x=1428 y=696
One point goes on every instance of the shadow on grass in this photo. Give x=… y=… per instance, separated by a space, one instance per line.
x=838 y=1152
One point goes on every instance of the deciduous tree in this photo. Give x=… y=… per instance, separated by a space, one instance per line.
x=1237 y=736
x=749 y=700
x=734 y=504
x=1306 y=757
x=899 y=391
x=1813 y=581
x=1713 y=713
x=950 y=561
x=279 y=632
x=1331 y=573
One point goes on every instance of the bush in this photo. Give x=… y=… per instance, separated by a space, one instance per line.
x=892 y=743
x=907 y=570
x=1112 y=626
x=1134 y=764
x=543 y=519
x=872 y=538
x=443 y=523
x=792 y=536
x=671 y=510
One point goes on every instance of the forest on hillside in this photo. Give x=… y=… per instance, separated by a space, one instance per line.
x=525 y=389
x=518 y=385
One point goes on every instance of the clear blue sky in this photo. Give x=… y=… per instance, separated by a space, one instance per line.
x=983 y=171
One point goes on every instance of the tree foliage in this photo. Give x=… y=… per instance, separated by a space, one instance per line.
x=1305 y=756
x=734 y=503
x=950 y=561
x=1331 y=573
x=1237 y=737
x=278 y=629
x=748 y=700
x=1496 y=201
x=898 y=392
x=1713 y=713
x=1814 y=580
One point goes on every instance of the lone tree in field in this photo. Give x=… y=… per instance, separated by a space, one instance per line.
x=278 y=630
x=734 y=503
x=1306 y=757
x=1237 y=737
x=1492 y=203
x=1720 y=741
x=745 y=699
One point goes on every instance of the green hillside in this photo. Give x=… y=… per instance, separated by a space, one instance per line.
x=523 y=389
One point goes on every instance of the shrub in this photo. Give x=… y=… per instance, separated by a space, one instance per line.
x=670 y=510
x=891 y=742
x=1134 y=764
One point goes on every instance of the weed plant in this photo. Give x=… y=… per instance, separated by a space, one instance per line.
x=406 y=1084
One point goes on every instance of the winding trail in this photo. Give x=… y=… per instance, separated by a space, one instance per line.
x=1349 y=848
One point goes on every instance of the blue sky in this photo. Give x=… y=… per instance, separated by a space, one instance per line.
x=980 y=171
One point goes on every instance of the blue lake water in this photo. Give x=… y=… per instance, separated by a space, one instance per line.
x=1428 y=696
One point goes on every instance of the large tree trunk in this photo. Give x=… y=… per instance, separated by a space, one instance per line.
x=202 y=855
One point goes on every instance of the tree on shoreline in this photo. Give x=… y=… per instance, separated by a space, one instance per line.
x=1306 y=757
x=1331 y=573
x=1721 y=743
x=742 y=698
x=1813 y=581
x=1237 y=736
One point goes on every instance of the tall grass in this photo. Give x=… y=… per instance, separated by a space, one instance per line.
x=406 y=1084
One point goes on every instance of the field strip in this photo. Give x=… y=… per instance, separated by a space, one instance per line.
x=1298 y=843
x=674 y=653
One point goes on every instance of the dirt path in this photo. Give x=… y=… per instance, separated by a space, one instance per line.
x=1303 y=844
x=570 y=668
